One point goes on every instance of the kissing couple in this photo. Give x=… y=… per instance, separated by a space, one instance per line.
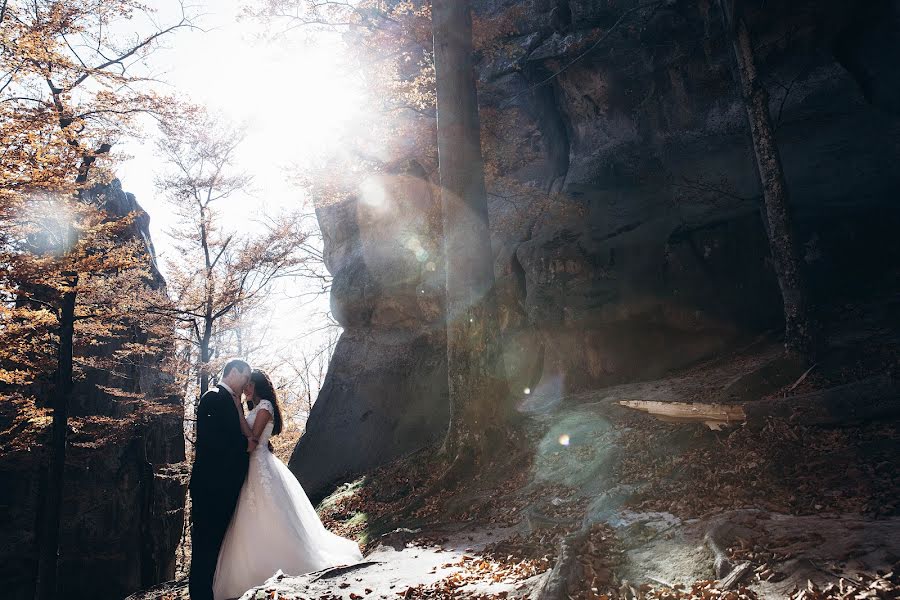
x=250 y=515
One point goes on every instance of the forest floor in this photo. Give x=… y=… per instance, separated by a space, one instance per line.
x=608 y=502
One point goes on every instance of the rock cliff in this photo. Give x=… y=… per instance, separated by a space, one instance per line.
x=125 y=478
x=638 y=245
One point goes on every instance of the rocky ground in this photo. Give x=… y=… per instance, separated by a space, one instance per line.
x=606 y=502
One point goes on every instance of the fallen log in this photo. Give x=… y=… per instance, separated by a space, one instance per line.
x=714 y=416
x=865 y=400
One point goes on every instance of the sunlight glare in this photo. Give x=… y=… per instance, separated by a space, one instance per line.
x=298 y=100
x=372 y=193
x=48 y=219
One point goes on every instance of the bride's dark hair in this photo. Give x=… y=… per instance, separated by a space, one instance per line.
x=266 y=391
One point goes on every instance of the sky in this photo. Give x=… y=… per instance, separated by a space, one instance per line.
x=296 y=98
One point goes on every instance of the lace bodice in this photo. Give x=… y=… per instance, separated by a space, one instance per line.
x=259 y=459
x=267 y=432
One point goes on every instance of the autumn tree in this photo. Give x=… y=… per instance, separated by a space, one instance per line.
x=800 y=331
x=299 y=375
x=217 y=273
x=306 y=370
x=68 y=94
x=75 y=283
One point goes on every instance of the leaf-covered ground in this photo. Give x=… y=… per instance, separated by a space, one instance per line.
x=646 y=508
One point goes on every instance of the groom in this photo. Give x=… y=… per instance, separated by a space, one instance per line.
x=220 y=467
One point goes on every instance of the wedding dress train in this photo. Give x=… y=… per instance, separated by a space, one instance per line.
x=274 y=526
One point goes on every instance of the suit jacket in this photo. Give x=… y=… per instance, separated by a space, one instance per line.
x=220 y=452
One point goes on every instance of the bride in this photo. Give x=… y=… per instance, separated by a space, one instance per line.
x=274 y=525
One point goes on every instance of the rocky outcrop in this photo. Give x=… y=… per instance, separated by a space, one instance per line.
x=123 y=507
x=626 y=222
x=89 y=396
x=125 y=478
x=385 y=390
x=665 y=259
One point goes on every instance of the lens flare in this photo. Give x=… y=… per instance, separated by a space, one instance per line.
x=564 y=439
x=48 y=221
x=372 y=193
x=527 y=391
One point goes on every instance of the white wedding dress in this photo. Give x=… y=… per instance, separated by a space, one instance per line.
x=274 y=527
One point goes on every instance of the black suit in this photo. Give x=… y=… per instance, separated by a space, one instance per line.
x=220 y=467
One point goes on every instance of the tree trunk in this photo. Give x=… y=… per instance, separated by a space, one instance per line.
x=479 y=399
x=208 y=303
x=49 y=543
x=800 y=332
x=205 y=357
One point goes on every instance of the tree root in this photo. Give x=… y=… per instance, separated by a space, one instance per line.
x=564 y=576
x=722 y=566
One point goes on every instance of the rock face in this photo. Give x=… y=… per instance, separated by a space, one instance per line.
x=385 y=391
x=665 y=259
x=637 y=245
x=125 y=478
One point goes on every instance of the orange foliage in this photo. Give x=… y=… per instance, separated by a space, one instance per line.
x=67 y=95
